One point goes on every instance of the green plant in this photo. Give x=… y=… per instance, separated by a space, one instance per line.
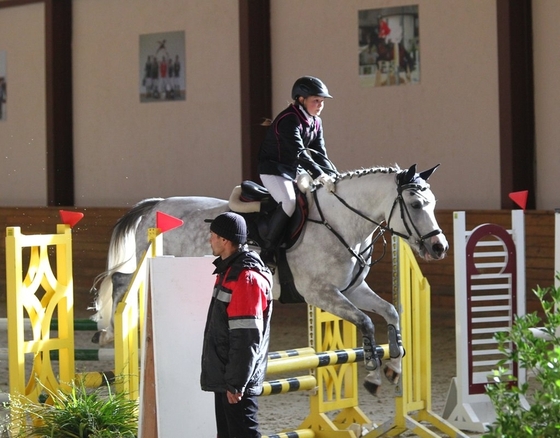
x=533 y=408
x=79 y=413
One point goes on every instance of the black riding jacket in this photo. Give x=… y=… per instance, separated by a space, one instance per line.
x=284 y=147
x=236 y=337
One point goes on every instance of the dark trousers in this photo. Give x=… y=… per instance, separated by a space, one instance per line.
x=237 y=420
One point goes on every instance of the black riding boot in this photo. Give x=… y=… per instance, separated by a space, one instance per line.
x=276 y=228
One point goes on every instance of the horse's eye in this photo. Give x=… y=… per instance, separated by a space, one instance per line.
x=417 y=205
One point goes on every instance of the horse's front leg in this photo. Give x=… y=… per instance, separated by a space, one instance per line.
x=337 y=304
x=366 y=299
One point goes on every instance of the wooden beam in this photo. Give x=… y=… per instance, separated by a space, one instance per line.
x=148 y=423
x=256 y=80
x=60 y=150
x=516 y=100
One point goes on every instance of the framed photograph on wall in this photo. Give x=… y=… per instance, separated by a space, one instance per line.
x=3 y=85
x=389 y=46
x=162 y=67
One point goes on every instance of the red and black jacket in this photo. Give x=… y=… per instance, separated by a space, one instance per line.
x=237 y=332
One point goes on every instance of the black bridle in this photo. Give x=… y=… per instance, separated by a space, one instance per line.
x=404 y=210
x=411 y=228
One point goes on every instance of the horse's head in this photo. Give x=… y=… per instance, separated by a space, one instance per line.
x=412 y=215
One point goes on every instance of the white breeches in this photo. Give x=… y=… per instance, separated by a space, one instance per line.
x=282 y=190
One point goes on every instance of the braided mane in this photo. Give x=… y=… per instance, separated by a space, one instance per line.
x=358 y=173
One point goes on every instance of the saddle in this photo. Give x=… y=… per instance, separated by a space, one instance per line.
x=256 y=205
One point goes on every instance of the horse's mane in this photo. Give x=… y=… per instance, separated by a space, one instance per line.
x=366 y=171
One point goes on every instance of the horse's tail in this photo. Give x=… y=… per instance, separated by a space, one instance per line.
x=122 y=252
x=123 y=237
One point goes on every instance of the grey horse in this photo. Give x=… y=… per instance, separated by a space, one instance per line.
x=329 y=261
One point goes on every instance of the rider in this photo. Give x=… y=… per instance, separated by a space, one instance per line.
x=294 y=143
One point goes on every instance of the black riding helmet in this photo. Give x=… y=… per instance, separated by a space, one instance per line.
x=309 y=86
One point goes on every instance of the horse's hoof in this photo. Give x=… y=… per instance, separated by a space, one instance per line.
x=95 y=337
x=103 y=337
x=392 y=375
x=371 y=387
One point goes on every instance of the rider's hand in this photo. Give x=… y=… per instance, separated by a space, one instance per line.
x=326 y=181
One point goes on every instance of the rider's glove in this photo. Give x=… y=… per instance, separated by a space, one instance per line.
x=326 y=181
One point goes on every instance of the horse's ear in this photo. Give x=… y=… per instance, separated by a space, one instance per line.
x=427 y=173
x=408 y=177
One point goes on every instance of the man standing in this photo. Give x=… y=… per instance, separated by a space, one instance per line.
x=237 y=331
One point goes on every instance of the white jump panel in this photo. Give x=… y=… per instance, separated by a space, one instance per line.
x=489 y=292
x=181 y=290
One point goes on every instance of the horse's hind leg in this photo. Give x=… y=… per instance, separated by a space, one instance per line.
x=120 y=283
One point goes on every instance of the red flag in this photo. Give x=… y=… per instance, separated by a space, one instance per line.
x=166 y=222
x=520 y=198
x=70 y=217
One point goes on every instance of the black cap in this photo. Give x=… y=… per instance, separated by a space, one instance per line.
x=230 y=226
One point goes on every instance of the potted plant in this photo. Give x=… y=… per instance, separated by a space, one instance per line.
x=533 y=408
x=78 y=413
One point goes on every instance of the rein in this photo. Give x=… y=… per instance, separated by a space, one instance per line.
x=381 y=229
x=362 y=259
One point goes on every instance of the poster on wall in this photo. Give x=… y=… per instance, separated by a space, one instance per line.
x=389 y=46
x=3 y=85
x=162 y=67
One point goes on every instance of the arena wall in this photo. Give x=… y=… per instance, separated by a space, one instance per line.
x=92 y=234
x=125 y=150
